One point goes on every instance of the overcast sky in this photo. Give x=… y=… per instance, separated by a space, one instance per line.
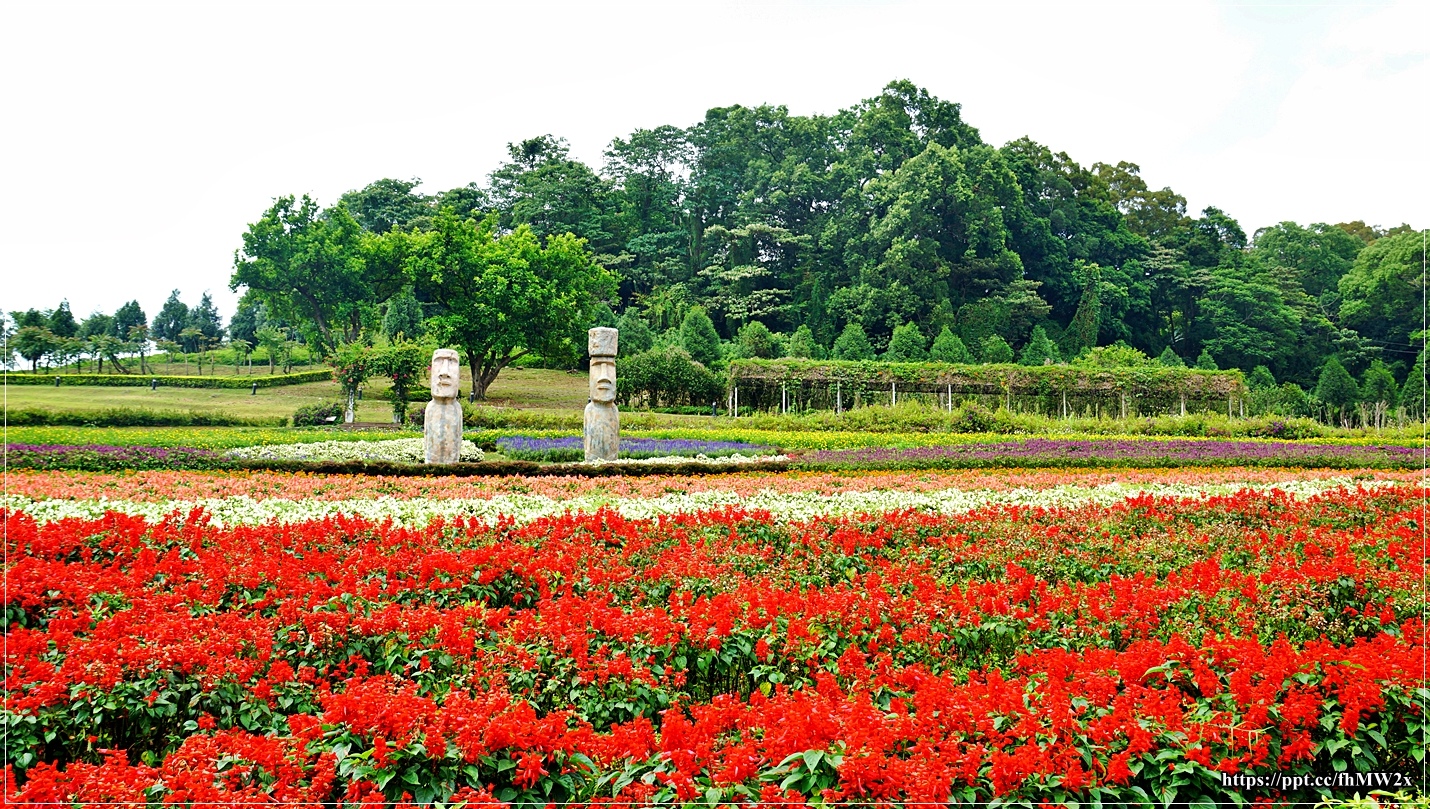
x=141 y=139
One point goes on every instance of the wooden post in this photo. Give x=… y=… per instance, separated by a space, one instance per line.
x=1228 y=405
x=1124 y=404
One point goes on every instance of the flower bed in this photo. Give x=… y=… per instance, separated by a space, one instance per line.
x=1121 y=452
x=571 y=448
x=103 y=458
x=396 y=450
x=1122 y=650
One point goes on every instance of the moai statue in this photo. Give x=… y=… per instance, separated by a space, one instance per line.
x=442 y=424
x=603 y=422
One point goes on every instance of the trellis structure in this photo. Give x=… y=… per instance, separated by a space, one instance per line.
x=789 y=385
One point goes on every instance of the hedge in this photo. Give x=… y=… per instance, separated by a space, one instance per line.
x=143 y=380
x=135 y=417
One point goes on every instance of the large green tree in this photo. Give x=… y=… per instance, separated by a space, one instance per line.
x=315 y=267
x=1381 y=295
x=503 y=296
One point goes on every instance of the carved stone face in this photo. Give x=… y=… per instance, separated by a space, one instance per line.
x=446 y=374
x=603 y=379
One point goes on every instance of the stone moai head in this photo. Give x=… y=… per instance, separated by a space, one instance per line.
x=445 y=374
x=601 y=345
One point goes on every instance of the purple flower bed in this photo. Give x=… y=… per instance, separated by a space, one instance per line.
x=569 y=448
x=105 y=458
x=1124 y=452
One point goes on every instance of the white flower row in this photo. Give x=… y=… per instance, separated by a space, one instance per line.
x=733 y=459
x=525 y=508
x=394 y=450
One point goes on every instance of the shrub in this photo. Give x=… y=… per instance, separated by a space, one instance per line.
x=853 y=344
x=318 y=415
x=665 y=377
x=756 y=341
x=949 y=347
x=1039 y=350
x=906 y=345
x=803 y=345
x=996 y=350
x=135 y=417
x=699 y=338
x=636 y=336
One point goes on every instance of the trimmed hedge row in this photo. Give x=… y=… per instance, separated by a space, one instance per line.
x=143 y=380
x=135 y=417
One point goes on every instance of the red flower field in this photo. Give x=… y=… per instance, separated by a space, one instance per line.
x=1118 y=654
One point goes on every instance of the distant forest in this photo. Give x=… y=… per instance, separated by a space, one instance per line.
x=893 y=211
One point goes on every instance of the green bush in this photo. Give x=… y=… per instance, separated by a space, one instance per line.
x=134 y=417
x=143 y=380
x=319 y=415
x=665 y=377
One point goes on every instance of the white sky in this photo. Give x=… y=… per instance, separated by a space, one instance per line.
x=140 y=139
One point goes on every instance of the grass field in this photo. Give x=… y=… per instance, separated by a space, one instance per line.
x=525 y=388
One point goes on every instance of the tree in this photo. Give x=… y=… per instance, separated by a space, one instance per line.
x=906 y=345
x=138 y=341
x=996 y=350
x=1336 y=390
x=353 y=363
x=802 y=345
x=241 y=350
x=247 y=319
x=1082 y=332
x=95 y=326
x=1260 y=378
x=1381 y=293
x=504 y=296
x=947 y=347
x=1169 y=358
x=127 y=317
x=62 y=322
x=1205 y=362
x=205 y=318
x=192 y=340
x=1248 y=322
x=316 y=266
x=386 y=204
x=1039 y=350
x=756 y=341
x=272 y=340
x=34 y=343
x=403 y=317
x=1412 y=395
x=1378 y=390
x=636 y=336
x=173 y=318
x=402 y=362
x=853 y=344
x=699 y=338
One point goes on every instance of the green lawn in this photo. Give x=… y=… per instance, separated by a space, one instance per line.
x=524 y=388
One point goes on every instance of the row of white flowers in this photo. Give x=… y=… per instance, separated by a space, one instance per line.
x=394 y=450
x=524 y=508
